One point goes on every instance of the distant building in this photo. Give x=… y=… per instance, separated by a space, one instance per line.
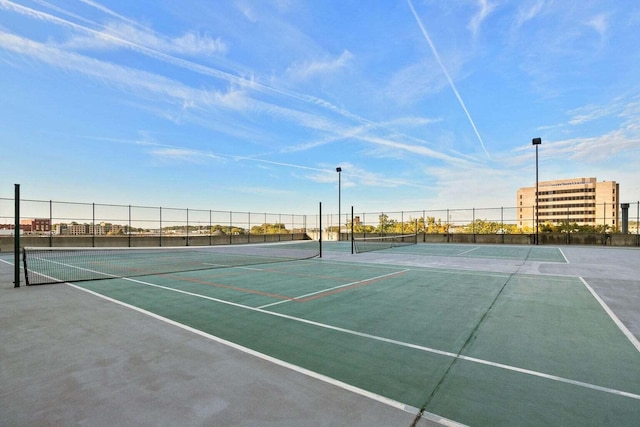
x=77 y=229
x=37 y=225
x=584 y=201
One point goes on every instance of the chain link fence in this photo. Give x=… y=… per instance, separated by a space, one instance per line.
x=90 y=224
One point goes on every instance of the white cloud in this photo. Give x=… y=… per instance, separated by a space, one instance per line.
x=598 y=148
x=355 y=176
x=483 y=185
x=528 y=12
x=624 y=108
x=141 y=82
x=190 y=43
x=307 y=70
x=412 y=83
x=179 y=155
x=599 y=23
x=485 y=10
x=590 y=112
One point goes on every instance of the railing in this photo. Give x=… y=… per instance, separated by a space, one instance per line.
x=501 y=220
x=168 y=225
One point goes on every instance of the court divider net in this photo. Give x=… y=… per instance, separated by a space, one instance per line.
x=369 y=244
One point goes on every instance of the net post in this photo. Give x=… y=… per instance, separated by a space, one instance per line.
x=352 y=237
x=24 y=265
x=16 y=238
x=320 y=230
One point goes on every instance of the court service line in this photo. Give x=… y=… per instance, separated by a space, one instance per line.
x=346 y=386
x=616 y=320
x=322 y=291
x=399 y=343
x=470 y=250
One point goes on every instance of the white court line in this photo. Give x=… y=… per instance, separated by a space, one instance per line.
x=611 y=314
x=399 y=343
x=470 y=250
x=564 y=256
x=362 y=392
x=333 y=288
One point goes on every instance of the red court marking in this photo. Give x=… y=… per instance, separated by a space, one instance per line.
x=307 y=275
x=332 y=291
x=235 y=288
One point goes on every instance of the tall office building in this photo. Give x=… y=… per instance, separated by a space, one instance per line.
x=584 y=201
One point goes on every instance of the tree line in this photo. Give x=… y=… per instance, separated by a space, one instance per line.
x=431 y=225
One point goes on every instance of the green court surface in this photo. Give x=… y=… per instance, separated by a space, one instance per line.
x=475 y=347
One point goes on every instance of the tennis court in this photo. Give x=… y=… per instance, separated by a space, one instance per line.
x=476 y=335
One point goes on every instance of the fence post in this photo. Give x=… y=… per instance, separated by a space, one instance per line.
x=93 y=225
x=50 y=223
x=320 y=230
x=16 y=237
x=502 y=222
x=448 y=225
x=473 y=223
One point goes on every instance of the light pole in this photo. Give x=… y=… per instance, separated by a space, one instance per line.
x=536 y=142
x=339 y=170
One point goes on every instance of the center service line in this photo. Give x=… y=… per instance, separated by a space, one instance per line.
x=334 y=288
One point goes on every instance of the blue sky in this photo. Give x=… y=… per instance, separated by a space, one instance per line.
x=251 y=105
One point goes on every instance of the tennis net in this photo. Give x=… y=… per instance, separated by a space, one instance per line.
x=368 y=244
x=54 y=265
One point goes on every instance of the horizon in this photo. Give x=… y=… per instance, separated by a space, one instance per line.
x=251 y=106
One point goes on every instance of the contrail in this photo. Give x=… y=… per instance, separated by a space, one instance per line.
x=159 y=54
x=446 y=73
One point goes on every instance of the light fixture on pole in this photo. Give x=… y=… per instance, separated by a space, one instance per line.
x=339 y=170
x=536 y=142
